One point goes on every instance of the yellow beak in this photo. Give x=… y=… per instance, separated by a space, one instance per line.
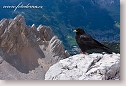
x=75 y=31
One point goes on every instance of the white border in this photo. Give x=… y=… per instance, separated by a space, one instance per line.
x=122 y=82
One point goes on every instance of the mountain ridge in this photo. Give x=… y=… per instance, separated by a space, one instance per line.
x=26 y=52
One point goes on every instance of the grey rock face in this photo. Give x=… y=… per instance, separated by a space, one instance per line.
x=1 y=59
x=27 y=52
x=86 y=67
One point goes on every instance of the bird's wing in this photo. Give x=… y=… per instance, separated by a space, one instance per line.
x=100 y=44
x=86 y=39
x=103 y=47
x=89 y=41
x=92 y=43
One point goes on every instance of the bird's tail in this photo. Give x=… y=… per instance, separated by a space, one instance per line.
x=107 y=50
x=104 y=48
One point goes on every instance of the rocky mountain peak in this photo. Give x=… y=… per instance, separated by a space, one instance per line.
x=26 y=48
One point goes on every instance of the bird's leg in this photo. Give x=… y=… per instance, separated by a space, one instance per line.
x=82 y=53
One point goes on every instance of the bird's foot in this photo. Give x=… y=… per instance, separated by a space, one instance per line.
x=82 y=53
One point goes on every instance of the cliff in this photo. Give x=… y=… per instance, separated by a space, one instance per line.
x=27 y=52
x=86 y=67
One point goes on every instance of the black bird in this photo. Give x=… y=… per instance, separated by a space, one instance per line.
x=86 y=42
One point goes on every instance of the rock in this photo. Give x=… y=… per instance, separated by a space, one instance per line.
x=86 y=67
x=46 y=33
x=1 y=59
x=27 y=52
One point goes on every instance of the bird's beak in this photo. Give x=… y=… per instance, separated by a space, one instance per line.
x=75 y=31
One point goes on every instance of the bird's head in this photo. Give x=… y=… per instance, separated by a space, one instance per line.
x=79 y=31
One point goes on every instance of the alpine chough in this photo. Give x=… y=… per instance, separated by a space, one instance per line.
x=86 y=42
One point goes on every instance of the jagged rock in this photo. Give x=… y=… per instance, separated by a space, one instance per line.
x=27 y=52
x=86 y=67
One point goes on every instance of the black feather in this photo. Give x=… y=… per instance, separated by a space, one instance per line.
x=86 y=42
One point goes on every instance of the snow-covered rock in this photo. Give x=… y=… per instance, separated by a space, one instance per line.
x=86 y=67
